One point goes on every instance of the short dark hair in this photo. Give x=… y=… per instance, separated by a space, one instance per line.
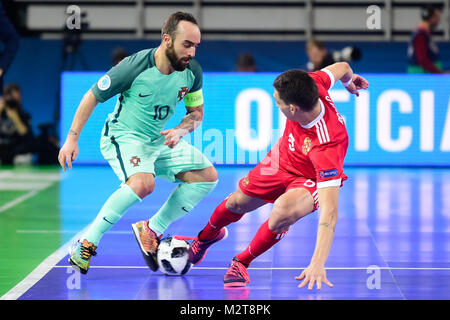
x=298 y=88
x=428 y=11
x=170 y=25
x=316 y=43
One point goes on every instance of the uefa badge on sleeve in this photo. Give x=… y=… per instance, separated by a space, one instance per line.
x=104 y=83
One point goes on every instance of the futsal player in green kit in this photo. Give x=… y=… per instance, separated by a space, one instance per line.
x=149 y=84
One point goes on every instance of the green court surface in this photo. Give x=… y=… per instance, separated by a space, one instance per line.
x=29 y=221
x=7 y=196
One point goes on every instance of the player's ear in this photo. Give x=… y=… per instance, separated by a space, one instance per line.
x=167 y=39
x=293 y=108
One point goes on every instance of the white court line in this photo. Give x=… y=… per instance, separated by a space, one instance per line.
x=24 y=185
x=34 y=188
x=268 y=268
x=64 y=231
x=18 y=200
x=40 y=271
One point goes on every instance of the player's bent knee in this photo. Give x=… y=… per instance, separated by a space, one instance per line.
x=210 y=174
x=142 y=184
x=236 y=203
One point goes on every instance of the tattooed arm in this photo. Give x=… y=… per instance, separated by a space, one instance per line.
x=190 y=122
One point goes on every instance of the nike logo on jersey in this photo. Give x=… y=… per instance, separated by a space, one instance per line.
x=183 y=208
x=144 y=95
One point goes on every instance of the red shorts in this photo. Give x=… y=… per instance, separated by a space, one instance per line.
x=263 y=184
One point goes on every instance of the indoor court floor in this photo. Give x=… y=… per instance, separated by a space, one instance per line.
x=392 y=240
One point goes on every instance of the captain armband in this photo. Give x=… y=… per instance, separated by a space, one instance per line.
x=194 y=99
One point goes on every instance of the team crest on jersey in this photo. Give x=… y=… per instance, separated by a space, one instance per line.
x=245 y=181
x=182 y=93
x=306 y=146
x=135 y=161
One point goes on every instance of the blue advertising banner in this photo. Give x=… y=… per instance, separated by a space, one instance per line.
x=401 y=120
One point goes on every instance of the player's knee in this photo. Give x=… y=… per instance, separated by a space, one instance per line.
x=142 y=184
x=235 y=204
x=211 y=174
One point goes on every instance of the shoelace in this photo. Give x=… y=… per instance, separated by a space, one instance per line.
x=195 y=247
x=87 y=252
x=239 y=270
x=151 y=242
x=234 y=270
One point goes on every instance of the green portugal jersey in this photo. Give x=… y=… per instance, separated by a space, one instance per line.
x=147 y=98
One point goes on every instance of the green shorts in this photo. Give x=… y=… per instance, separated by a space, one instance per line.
x=129 y=154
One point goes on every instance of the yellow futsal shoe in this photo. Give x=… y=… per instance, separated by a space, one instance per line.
x=148 y=243
x=80 y=255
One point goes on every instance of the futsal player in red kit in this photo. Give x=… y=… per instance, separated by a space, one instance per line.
x=302 y=171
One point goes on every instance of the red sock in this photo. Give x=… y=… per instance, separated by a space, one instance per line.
x=262 y=241
x=221 y=217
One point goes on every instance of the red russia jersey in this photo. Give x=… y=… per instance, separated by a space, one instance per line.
x=317 y=150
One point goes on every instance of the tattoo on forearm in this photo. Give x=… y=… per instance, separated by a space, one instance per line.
x=328 y=225
x=73 y=133
x=195 y=116
x=192 y=120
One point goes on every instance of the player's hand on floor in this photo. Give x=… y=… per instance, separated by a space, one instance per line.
x=173 y=136
x=68 y=153
x=313 y=274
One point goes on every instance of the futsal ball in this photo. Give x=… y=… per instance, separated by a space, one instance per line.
x=173 y=256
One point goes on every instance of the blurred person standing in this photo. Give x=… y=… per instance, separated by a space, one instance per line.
x=118 y=55
x=246 y=63
x=319 y=57
x=9 y=44
x=423 y=53
x=16 y=136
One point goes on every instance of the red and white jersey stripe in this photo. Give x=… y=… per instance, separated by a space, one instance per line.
x=322 y=131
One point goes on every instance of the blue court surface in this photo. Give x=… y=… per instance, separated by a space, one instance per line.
x=392 y=242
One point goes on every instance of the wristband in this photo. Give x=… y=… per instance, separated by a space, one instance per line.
x=346 y=84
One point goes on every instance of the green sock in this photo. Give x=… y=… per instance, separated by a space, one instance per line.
x=113 y=209
x=182 y=200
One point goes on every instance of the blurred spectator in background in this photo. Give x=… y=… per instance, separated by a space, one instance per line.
x=319 y=57
x=9 y=43
x=423 y=53
x=246 y=63
x=118 y=55
x=16 y=136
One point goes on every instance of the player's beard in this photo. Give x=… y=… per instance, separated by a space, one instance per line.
x=177 y=63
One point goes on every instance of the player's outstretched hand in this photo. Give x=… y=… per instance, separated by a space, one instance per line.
x=313 y=274
x=68 y=153
x=357 y=83
x=173 y=136
x=360 y=82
